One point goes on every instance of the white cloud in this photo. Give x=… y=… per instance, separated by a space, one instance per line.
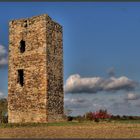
x=3 y=61
x=132 y=96
x=3 y=56
x=77 y=102
x=2 y=50
x=79 y=105
x=1 y=95
x=76 y=84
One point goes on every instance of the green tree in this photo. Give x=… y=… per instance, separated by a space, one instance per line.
x=3 y=109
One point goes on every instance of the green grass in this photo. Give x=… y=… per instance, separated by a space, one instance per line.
x=14 y=125
x=65 y=123
x=70 y=123
x=127 y=121
x=10 y=125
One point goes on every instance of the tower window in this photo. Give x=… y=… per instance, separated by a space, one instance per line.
x=25 y=23
x=21 y=77
x=22 y=46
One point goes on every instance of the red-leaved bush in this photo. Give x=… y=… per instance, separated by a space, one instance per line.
x=101 y=114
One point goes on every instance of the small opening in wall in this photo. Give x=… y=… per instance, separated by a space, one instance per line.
x=21 y=77
x=54 y=51
x=25 y=23
x=22 y=46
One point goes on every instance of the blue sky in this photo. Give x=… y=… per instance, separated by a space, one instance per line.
x=98 y=39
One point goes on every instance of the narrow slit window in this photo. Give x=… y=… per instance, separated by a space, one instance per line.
x=25 y=23
x=22 y=46
x=21 y=77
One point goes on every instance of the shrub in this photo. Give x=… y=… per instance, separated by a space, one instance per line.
x=69 y=118
x=5 y=119
x=80 y=118
x=117 y=117
x=96 y=120
x=131 y=117
x=3 y=110
x=101 y=114
x=89 y=116
x=124 y=117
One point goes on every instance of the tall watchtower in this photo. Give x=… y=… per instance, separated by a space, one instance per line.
x=35 y=74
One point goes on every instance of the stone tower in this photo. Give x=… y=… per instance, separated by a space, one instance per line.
x=35 y=74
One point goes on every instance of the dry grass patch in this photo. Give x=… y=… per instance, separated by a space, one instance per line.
x=74 y=130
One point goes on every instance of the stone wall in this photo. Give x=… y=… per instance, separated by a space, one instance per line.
x=40 y=99
x=55 y=71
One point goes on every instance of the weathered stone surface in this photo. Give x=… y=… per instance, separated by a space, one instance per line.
x=40 y=99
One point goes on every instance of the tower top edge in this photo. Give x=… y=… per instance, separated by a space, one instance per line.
x=42 y=16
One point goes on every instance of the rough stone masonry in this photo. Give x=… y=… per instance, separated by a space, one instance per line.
x=35 y=74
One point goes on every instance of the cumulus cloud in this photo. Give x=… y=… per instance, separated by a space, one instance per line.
x=77 y=102
x=79 y=106
x=132 y=96
x=1 y=95
x=77 y=84
x=3 y=56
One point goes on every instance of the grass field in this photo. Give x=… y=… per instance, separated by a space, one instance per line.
x=87 y=129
